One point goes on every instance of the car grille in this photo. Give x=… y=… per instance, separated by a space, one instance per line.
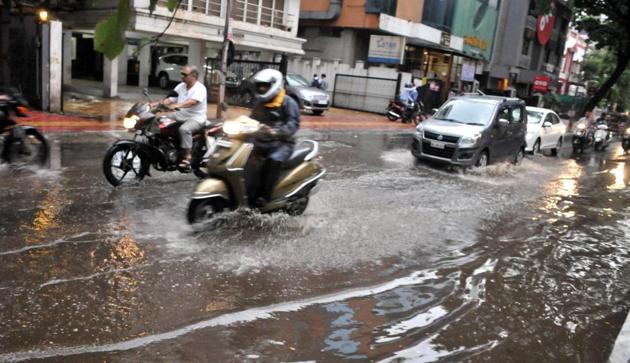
x=445 y=138
x=447 y=152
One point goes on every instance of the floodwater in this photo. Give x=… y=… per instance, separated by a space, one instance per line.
x=393 y=260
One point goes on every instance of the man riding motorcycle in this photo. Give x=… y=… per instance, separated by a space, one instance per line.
x=280 y=115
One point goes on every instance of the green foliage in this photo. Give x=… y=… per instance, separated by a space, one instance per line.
x=598 y=66
x=109 y=35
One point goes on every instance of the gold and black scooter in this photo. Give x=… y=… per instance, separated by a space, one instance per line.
x=225 y=188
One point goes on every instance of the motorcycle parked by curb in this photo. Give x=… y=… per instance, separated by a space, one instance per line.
x=21 y=145
x=155 y=143
x=408 y=112
x=226 y=189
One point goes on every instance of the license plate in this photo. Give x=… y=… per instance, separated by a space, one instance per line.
x=321 y=102
x=437 y=144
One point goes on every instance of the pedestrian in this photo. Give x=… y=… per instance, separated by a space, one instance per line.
x=323 y=84
x=315 y=81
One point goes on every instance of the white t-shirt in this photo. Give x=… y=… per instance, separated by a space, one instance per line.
x=198 y=112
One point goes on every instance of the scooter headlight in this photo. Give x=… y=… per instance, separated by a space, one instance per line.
x=581 y=127
x=628 y=131
x=130 y=122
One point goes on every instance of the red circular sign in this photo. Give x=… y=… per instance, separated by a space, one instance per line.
x=544 y=28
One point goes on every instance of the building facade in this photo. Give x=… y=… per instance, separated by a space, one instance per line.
x=260 y=29
x=528 y=48
x=571 y=80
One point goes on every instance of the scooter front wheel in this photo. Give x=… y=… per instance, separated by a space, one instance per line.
x=204 y=210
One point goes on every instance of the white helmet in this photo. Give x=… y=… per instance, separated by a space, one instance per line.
x=271 y=80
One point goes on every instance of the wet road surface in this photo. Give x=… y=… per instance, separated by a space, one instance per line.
x=393 y=260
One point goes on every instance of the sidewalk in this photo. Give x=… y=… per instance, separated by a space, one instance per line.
x=86 y=110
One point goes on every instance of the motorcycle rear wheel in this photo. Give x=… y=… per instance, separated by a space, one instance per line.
x=32 y=149
x=122 y=165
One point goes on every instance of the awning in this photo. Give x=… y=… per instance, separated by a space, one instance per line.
x=441 y=48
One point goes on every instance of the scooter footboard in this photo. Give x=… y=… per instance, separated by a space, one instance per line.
x=211 y=188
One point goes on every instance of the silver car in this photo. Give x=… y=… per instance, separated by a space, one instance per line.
x=309 y=98
x=473 y=130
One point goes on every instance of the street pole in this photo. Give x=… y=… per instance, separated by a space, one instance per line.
x=224 y=56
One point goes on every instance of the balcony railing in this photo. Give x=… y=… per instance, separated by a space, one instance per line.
x=248 y=11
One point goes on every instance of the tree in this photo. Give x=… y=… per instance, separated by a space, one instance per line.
x=109 y=35
x=597 y=67
x=607 y=23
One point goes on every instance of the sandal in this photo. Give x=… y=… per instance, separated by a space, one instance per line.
x=184 y=166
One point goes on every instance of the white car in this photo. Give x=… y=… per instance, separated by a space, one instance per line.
x=168 y=68
x=545 y=130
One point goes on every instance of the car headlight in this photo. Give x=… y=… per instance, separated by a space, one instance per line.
x=130 y=122
x=469 y=141
x=420 y=130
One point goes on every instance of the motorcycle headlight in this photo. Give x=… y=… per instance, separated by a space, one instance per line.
x=469 y=141
x=581 y=127
x=130 y=122
x=628 y=131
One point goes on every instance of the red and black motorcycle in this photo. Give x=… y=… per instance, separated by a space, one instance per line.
x=156 y=143
x=408 y=112
x=21 y=145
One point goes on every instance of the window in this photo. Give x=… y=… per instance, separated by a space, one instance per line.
x=517 y=114
x=525 y=48
x=504 y=114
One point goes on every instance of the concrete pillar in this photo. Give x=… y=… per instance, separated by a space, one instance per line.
x=67 y=57
x=348 y=41
x=145 y=65
x=110 y=77
x=122 y=66
x=56 y=66
x=194 y=54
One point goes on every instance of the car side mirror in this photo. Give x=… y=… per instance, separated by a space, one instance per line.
x=546 y=124
x=433 y=111
x=503 y=122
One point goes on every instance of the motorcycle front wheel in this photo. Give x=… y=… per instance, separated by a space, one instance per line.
x=122 y=164
x=32 y=149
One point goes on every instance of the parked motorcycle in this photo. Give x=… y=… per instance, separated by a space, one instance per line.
x=226 y=189
x=582 y=138
x=22 y=145
x=601 y=137
x=409 y=111
x=155 y=143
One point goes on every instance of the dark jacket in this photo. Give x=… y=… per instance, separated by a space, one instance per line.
x=284 y=119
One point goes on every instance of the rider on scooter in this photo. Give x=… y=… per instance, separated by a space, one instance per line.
x=280 y=116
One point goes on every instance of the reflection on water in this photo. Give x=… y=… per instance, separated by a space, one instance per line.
x=619 y=173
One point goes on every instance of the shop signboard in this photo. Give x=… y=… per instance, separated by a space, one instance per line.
x=468 y=71
x=475 y=21
x=541 y=84
x=386 y=49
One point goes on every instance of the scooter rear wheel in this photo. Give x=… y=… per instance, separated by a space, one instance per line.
x=297 y=207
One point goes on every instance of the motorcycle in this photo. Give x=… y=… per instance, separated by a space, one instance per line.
x=582 y=138
x=156 y=143
x=601 y=137
x=408 y=112
x=226 y=188
x=21 y=145
x=625 y=141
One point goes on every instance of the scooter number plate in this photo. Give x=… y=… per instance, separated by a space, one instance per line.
x=437 y=144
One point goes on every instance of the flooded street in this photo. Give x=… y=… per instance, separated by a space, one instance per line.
x=393 y=260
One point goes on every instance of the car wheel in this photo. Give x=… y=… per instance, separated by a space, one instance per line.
x=536 y=147
x=482 y=160
x=556 y=150
x=518 y=158
x=318 y=112
x=164 y=81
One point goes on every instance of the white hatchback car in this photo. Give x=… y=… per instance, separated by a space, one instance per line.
x=168 y=67
x=545 y=130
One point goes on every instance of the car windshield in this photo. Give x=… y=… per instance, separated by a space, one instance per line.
x=466 y=112
x=296 y=80
x=534 y=117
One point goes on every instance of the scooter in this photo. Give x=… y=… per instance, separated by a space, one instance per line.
x=409 y=112
x=225 y=188
x=601 y=137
